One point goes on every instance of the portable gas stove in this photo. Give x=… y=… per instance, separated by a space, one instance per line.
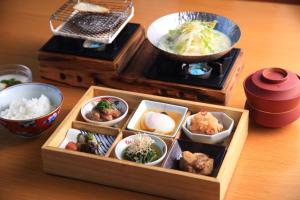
x=150 y=72
x=125 y=59
x=211 y=74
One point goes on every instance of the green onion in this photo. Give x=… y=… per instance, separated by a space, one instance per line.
x=11 y=82
x=104 y=104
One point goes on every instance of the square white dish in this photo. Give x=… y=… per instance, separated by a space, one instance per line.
x=163 y=107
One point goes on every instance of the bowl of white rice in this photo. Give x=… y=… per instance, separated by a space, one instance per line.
x=29 y=109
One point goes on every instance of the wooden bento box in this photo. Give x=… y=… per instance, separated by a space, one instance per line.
x=155 y=180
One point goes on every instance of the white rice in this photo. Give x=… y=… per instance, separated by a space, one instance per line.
x=21 y=109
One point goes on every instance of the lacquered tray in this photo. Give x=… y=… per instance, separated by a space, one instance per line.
x=155 y=180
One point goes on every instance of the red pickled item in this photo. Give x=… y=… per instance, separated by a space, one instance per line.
x=72 y=146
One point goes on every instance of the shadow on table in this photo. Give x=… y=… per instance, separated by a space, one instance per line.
x=257 y=129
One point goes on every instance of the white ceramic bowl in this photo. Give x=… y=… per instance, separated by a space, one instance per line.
x=124 y=143
x=210 y=139
x=16 y=71
x=159 y=106
x=120 y=103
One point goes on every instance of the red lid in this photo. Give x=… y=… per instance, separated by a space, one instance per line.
x=274 y=84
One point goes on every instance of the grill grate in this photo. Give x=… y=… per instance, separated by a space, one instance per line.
x=96 y=27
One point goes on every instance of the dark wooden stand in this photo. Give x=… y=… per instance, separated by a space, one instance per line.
x=83 y=71
x=126 y=72
x=136 y=81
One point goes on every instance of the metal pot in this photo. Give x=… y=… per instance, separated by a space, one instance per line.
x=161 y=27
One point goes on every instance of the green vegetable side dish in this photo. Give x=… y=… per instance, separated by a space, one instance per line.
x=10 y=82
x=150 y=155
x=142 y=150
x=195 y=38
x=104 y=104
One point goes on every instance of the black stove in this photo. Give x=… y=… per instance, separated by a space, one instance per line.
x=164 y=69
x=74 y=46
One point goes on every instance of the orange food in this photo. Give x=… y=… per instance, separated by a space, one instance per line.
x=206 y=123
x=72 y=146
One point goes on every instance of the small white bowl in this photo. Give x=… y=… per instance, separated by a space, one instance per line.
x=210 y=139
x=16 y=71
x=120 y=103
x=163 y=107
x=124 y=143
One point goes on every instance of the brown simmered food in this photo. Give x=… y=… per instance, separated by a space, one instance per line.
x=198 y=163
x=206 y=123
x=85 y=143
x=104 y=111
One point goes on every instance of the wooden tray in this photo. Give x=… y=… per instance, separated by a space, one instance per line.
x=155 y=180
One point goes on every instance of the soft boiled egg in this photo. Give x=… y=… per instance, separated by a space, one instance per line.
x=157 y=122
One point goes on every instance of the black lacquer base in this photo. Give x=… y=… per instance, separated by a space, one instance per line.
x=74 y=46
x=164 y=69
x=217 y=152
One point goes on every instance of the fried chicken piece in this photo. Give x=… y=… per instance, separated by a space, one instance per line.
x=205 y=123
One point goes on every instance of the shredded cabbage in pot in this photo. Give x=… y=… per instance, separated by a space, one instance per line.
x=195 y=38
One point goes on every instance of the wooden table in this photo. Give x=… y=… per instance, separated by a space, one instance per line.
x=269 y=167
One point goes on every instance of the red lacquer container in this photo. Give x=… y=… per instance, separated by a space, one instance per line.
x=273 y=93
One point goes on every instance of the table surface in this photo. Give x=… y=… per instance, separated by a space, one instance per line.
x=269 y=166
